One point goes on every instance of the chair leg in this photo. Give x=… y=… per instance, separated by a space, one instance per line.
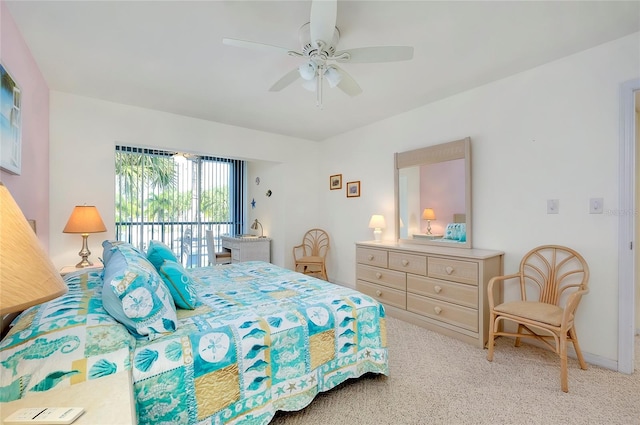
x=564 y=380
x=576 y=346
x=517 y=341
x=490 y=342
x=324 y=274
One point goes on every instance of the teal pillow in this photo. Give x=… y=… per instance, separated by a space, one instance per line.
x=158 y=252
x=135 y=295
x=180 y=284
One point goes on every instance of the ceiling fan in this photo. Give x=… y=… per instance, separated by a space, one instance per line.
x=319 y=39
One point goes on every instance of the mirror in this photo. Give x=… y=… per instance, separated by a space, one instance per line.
x=433 y=195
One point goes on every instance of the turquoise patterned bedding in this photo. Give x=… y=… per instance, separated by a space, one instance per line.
x=260 y=339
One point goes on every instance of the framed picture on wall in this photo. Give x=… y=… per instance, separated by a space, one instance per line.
x=335 y=182
x=353 y=189
x=11 y=124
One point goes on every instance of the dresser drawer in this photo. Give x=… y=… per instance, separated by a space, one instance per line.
x=373 y=257
x=409 y=263
x=454 y=270
x=456 y=293
x=390 y=278
x=385 y=295
x=463 y=317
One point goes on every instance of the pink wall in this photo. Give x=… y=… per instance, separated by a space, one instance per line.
x=443 y=190
x=31 y=188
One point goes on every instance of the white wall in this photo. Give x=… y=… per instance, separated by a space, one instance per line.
x=551 y=132
x=548 y=133
x=83 y=136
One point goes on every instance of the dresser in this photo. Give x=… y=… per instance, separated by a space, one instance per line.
x=440 y=288
x=247 y=248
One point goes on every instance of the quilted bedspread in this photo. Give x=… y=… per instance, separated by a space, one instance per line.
x=261 y=339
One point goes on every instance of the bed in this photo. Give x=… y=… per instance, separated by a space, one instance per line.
x=223 y=344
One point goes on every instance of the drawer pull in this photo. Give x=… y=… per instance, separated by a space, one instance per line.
x=437 y=289
x=405 y=263
x=438 y=310
x=378 y=293
x=378 y=275
x=370 y=257
x=448 y=269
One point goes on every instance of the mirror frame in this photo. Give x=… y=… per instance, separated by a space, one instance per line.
x=458 y=149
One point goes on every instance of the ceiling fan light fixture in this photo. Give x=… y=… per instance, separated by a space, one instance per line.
x=311 y=85
x=333 y=76
x=308 y=70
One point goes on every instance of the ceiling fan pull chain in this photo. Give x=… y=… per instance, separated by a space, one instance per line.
x=319 y=78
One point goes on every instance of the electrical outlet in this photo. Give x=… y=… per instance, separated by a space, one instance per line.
x=553 y=206
x=596 y=205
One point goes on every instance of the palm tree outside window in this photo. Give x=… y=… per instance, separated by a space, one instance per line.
x=175 y=198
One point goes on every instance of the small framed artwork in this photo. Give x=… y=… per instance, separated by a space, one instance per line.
x=335 y=182
x=11 y=129
x=353 y=189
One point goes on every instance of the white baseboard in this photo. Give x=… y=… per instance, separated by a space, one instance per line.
x=592 y=359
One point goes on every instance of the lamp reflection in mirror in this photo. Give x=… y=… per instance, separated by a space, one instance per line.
x=377 y=223
x=27 y=276
x=254 y=226
x=84 y=219
x=428 y=214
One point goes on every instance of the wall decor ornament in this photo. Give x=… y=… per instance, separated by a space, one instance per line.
x=10 y=124
x=353 y=189
x=335 y=182
x=269 y=193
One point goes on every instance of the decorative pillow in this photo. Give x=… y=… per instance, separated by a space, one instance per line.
x=134 y=294
x=456 y=232
x=462 y=232
x=180 y=284
x=158 y=252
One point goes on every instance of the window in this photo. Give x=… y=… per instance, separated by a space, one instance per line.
x=175 y=198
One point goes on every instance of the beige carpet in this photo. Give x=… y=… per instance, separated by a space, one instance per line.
x=435 y=379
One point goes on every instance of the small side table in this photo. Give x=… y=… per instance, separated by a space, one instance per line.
x=68 y=269
x=104 y=400
x=427 y=237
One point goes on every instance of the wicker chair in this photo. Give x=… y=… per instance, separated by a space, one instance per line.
x=552 y=280
x=310 y=256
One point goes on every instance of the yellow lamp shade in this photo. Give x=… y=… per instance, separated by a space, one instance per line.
x=27 y=275
x=428 y=214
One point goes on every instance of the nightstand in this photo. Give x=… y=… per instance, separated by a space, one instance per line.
x=427 y=237
x=68 y=269
x=107 y=400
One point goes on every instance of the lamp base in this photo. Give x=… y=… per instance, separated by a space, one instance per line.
x=84 y=263
x=377 y=234
x=84 y=253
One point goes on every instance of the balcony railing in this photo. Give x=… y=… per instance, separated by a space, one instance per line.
x=186 y=239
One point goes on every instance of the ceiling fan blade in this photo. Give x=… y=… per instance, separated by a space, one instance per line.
x=347 y=83
x=255 y=46
x=378 y=54
x=286 y=80
x=323 y=20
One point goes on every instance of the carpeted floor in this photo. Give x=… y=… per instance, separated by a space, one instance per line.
x=435 y=379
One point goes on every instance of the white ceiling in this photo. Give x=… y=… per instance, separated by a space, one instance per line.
x=169 y=56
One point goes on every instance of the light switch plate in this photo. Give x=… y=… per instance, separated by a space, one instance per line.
x=553 y=206
x=596 y=205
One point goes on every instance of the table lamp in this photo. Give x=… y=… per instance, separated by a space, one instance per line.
x=27 y=276
x=428 y=214
x=85 y=219
x=377 y=223
x=254 y=226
